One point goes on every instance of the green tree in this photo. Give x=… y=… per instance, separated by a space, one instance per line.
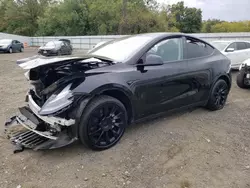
x=66 y=18
x=207 y=25
x=243 y=26
x=21 y=15
x=187 y=20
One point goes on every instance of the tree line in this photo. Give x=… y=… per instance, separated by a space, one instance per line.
x=99 y=17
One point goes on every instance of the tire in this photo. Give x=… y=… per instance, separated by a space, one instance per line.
x=10 y=51
x=218 y=95
x=103 y=123
x=21 y=49
x=240 y=79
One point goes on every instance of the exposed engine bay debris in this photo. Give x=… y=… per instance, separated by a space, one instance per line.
x=48 y=119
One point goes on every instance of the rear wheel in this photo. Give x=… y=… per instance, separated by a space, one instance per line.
x=103 y=123
x=218 y=96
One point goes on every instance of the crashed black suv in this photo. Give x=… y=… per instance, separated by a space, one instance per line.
x=93 y=98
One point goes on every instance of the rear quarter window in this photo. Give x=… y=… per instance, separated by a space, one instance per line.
x=196 y=49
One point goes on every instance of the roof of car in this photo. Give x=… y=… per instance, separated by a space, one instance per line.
x=231 y=41
x=158 y=34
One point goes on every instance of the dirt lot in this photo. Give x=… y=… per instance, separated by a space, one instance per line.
x=198 y=149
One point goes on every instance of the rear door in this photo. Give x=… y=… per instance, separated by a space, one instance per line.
x=64 y=48
x=199 y=56
x=19 y=45
x=242 y=52
x=247 y=50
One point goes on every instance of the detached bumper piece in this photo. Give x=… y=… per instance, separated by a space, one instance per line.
x=26 y=139
x=23 y=132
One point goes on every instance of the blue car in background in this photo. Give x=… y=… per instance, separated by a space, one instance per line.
x=9 y=45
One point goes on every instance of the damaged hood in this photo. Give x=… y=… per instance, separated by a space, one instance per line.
x=47 y=48
x=245 y=63
x=36 y=61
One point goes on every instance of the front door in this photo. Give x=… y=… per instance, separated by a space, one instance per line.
x=168 y=86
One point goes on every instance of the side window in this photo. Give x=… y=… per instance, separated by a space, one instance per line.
x=248 y=45
x=196 y=49
x=241 y=46
x=18 y=42
x=233 y=46
x=168 y=50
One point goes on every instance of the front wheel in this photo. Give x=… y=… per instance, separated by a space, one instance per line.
x=218 y=95
x=103 y=123
x=10 y=51
x=21 y=49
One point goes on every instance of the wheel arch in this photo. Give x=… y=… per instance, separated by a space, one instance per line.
x=226 y=77
x=124 y=95
x=123 y=98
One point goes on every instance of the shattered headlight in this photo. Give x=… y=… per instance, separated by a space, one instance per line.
x=57 y=101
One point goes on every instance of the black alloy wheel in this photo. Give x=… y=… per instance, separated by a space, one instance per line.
x=103 y=123
x=218 y=96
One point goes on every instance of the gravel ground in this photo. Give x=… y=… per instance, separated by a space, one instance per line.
x=198 y=148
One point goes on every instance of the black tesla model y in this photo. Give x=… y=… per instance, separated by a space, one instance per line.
x=93 y=98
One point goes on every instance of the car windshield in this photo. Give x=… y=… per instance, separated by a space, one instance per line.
x=5 y=41
x=220 y=45
x=122 y=49
x=53 y=44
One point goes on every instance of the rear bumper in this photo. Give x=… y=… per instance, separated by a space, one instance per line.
x=29 y=130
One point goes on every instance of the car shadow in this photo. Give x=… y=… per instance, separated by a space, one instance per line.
x=78 y=149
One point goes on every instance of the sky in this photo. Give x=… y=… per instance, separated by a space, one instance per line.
x=229 y=10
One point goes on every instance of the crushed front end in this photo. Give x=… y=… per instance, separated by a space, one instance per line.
x=31 y=130
x=49 y=119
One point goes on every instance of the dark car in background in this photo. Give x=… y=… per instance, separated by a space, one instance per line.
x=9 y=45
x=56 y=47
x=95 y=97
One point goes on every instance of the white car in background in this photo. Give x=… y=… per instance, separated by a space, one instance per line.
x=236 y=51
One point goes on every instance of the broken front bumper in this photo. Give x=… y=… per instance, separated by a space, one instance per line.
x=24 y=130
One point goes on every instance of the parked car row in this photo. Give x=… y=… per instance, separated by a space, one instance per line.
x=95 y=97
x=56 y=47
x=9 y=45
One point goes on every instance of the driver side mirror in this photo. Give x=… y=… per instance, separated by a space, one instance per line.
x=152 y=60
x=230 y=50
